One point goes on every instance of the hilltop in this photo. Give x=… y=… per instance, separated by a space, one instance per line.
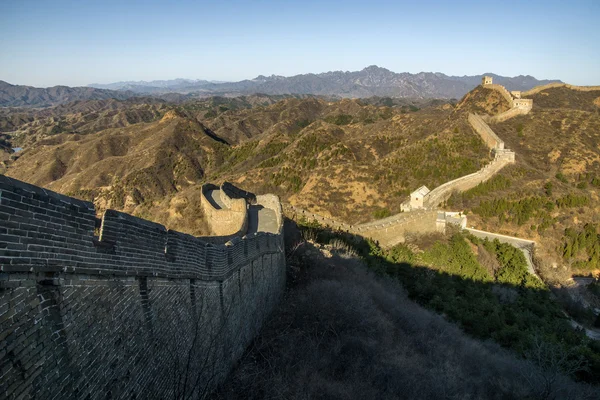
x=554 y=186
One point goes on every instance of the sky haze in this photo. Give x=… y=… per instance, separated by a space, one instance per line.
x=76 y=43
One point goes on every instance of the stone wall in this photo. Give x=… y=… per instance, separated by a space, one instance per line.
x=297 y=213
x=444 y=191
x=230 y=221
x=506 y=115
x=387 y=231
x=395 y=229
x=137 y=311
x=233 y=192
x=538 y=89
x=488 y=136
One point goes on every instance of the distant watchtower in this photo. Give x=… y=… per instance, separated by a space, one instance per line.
x=486 y=80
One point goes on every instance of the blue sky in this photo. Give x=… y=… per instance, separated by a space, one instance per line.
x=45 y=43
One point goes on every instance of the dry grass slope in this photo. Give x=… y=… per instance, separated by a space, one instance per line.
x=343 y=333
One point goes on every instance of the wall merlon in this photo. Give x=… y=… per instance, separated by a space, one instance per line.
x=85 y=312
x=39 y=194
x=127 y=244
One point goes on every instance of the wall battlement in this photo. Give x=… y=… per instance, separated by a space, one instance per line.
x=518 y=105
x=51 y=232
x=232 y=219
x=387 y=231
x=523 y=104
x=502 y=157
x=114 y=307
x=506 y=115
x=538 y=89
x=444 y=191
x=394 y=229
x=486 y=133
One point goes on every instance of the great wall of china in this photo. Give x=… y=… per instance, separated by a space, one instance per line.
x=420 y=212
x=120 y=307
x=540 y=88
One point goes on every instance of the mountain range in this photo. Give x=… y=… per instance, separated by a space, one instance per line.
x=171 y=85
x=29 y=96
x=371 y=81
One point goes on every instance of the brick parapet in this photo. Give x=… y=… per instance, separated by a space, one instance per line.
x=44 y=231
x=486 y=133
x=387 y=231
x=538 y=89
x=444 y=191
x=230 y=221
x=233 y=192
x=129 y=313
x=513 y=112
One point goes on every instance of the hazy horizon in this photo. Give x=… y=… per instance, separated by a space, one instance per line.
x=266 y=75
x=81 y=43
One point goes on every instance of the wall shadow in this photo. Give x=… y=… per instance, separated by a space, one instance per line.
x=514 y=316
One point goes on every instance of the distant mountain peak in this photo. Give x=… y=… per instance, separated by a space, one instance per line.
x=370 y=81
x=375 y=68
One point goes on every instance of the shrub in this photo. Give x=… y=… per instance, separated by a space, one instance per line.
x=341 y=119
x=561 y=177
x=346 y=333
x=381 y=213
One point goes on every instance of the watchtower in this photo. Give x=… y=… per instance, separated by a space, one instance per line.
x=417 y=197
x=486 y=80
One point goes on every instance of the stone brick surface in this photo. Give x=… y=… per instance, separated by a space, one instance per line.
x=138 y=312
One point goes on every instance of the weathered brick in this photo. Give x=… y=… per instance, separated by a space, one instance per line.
x=82 y=320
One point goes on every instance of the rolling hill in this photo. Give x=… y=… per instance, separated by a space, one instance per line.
x=354 y=160
x=21 y=96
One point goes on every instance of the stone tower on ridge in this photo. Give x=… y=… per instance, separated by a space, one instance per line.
x=486 y=80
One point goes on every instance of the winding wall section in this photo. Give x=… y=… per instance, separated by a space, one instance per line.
x=444 y=191
x=393 y=230
x=538 y=89
x=229 y=220
x=136 y=312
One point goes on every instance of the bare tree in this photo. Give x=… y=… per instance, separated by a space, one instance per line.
x=553 y=362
